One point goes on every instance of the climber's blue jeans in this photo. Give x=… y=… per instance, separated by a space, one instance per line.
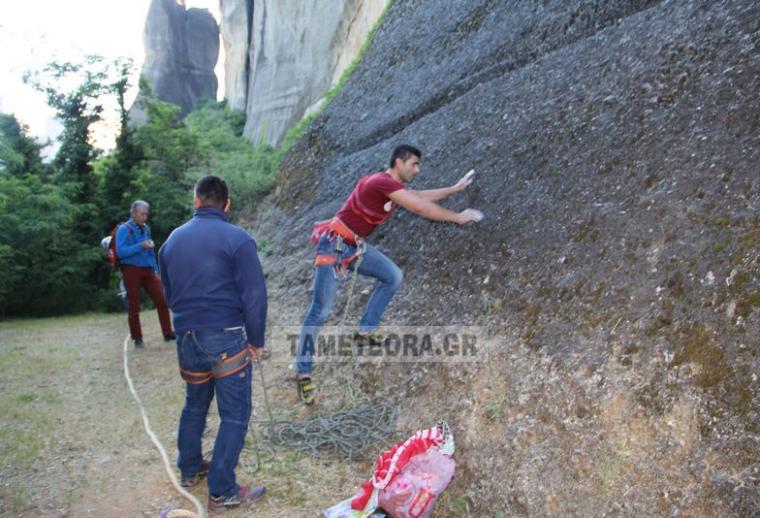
x=198 y=351
x=374 y=264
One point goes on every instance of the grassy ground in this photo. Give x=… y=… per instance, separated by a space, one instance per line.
x=72 y=441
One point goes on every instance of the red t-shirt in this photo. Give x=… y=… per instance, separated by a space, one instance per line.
x=369 y=204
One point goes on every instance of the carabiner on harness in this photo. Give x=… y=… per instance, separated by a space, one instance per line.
x=335 y=258
x=340 y=268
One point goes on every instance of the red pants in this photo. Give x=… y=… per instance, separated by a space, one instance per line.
x=134 y=279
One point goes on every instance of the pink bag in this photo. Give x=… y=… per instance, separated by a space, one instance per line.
x=408 y=478
x=414 y=492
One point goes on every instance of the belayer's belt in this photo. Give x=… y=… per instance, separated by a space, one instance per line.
x=225 y=366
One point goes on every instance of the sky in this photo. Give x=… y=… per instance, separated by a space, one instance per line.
x=35 y=32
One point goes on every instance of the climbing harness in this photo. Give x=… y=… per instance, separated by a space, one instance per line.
x=333 y=226
x=225 y=366
x=339 y=235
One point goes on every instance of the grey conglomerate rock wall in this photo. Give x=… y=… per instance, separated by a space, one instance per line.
x=617 y=146
x=181 y=50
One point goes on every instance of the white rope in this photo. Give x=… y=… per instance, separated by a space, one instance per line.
x=180 y=513
x=167 y=465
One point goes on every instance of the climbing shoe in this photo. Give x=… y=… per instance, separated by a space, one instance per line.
x=170 y=337
x=245 y=496
x=306 y=390
x=194 y=479
x=139 y=344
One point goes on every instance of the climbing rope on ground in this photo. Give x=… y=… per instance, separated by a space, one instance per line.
x=348 y=432
x=257 y=447
x=176 y=513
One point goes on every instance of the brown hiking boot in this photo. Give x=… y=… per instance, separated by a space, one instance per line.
x=245 y=496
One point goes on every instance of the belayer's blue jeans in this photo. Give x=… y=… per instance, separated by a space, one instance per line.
x=198 y=351
x=374 y=264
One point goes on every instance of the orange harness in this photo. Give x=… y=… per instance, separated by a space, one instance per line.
x=336 y=227
x=222 y=368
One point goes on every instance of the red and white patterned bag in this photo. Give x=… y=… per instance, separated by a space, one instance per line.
x=408 y=479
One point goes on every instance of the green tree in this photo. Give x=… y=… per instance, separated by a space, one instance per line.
x=116 y=170
x=222 y=150
x=167 y=146
x=45 y=270
x=168 y=151
x=19 y=153
x=75 y=91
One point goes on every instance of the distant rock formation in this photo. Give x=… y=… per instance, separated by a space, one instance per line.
x=282 y=56
x=181 y=50
x=235 y=23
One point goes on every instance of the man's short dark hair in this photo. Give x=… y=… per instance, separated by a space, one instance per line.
x=212 y=190
x=404 y=152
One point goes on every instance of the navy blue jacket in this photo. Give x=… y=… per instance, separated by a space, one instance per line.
x=129 y=237
x=212 y=276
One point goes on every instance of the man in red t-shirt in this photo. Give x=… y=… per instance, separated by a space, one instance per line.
x=340 y=241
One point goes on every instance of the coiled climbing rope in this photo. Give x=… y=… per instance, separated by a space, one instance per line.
x=350 y=432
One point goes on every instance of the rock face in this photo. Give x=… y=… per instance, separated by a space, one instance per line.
x=236 y=19
x=297 y=50
x=181 y=49
x=618 y=269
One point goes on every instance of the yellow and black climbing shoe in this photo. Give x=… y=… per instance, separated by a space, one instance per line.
x=306 y=390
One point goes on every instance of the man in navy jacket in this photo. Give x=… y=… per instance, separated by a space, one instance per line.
x=215 y=287
x=137 y=261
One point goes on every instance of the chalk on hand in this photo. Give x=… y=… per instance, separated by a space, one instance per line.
x=479 y=216
x=469 y=174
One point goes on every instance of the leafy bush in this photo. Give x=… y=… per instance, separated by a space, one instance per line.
x=45 y=270
x=249 y=171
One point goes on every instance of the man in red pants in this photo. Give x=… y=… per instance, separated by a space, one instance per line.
x=139 y=268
